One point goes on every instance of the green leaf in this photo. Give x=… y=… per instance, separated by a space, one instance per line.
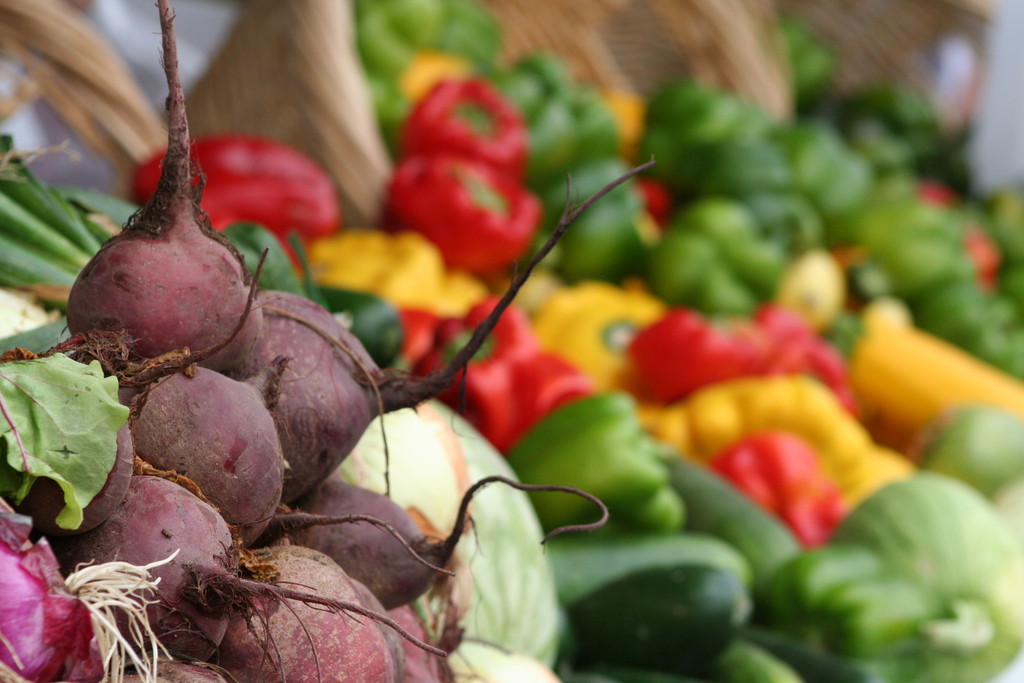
x=38 y=339
x=118 y=210
x=278 y=272
x=59 y=420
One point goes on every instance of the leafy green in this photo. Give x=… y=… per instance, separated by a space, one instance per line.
x=59 y=420
x=38 y=339
x=277 y=273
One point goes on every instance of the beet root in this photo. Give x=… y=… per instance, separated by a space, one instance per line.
x=289 y=641
x=219 y=433
x=394 y=572
x=322 y=409
x=155 y=520
x=420 y=666
x=168 y=279
x=45 y=499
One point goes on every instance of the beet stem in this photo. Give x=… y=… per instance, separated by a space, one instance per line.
x=174 y=189
x=398 y=392
x=448 y=545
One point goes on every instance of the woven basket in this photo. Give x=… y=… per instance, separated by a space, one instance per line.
x=886 y=41
x=67 y=63
x=636 y=45
x=289 y=71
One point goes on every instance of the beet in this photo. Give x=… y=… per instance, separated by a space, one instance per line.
x=156 y=519
x=333 y=521
x=290 y=641
x=321 y=410
x=168 y=279
x=332 y=389
x=45 y=499
x=366 y=552
x=219 y=433
x=176 y=671
x=420 y=666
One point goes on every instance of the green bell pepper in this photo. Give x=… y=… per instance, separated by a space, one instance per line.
x=918 y=246
x=389 y=32
x=835 y=179
x=905 y=112
x=568 y=123
x=684 y=116
x=843 y=599
x=812 y=61
x=712 y=258
x=1002 y=216
x=787 y=219
x=597 y=444
x=604 y=242
x=985 y=324
x=468 y=29
x=731 y=167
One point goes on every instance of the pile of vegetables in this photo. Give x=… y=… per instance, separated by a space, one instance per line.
x=770 y=378
x=191 y=426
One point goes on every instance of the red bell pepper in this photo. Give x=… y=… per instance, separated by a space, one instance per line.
x=255 y=179
x=985 y=255
x=481 y=220
x=657 y=199
x=512 y=384
x=419 y=328
x=790 y=345
x=468 y=118
x=782 y=473
x=683 y=351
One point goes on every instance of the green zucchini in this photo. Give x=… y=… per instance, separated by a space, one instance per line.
x=608 y=556
x=746 y=662
x=811 y=663
x=674 y=620
x=718 y=508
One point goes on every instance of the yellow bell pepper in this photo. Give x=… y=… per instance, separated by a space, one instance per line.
x=591 y=323
x=427 y=68
x=813 y=286
x=629 y=110
x=405 y=269
x=719 y=415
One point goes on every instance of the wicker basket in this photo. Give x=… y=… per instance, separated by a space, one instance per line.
x=67 y=63
x=636 y=45
x=289 y=71
x=886 y=41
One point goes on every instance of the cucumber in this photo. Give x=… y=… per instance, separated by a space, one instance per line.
x=621 y=674
x=673 y=620
x=718 y=508
x=608 y=556
x=745 y=662
x=809 y=662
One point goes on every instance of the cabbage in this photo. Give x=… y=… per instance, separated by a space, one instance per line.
x=977 y=444
x=514 y=604
x=503 y=575
x=484 y=663
x=427 y=471
x=945 y=535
